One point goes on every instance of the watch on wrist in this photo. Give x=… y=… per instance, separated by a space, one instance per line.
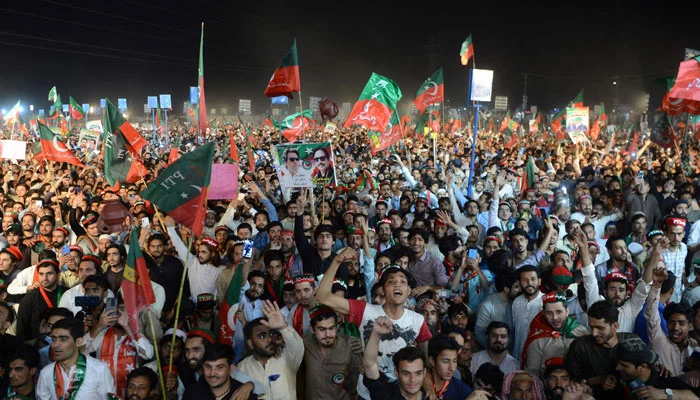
x=669 y=394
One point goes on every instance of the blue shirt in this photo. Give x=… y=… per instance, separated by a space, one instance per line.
x=457 y=390
x=640 y=324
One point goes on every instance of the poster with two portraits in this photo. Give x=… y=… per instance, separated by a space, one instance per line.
x=304 y=165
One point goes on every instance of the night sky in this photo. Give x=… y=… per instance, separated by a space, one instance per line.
x=132 y=49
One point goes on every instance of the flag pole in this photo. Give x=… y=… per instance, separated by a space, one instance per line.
x=301 y=108
x=179 y=302
x=156 y=347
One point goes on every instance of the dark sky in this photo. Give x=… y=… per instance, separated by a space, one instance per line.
x=132 y=49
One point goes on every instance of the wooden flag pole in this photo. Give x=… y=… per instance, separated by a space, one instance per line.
x=157 y=351
x=179 y=303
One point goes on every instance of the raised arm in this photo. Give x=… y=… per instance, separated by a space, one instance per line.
x=339 y=304
x=382 y=326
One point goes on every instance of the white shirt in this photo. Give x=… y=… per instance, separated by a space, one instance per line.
x=202 y=277
x=523 y=313
x=68 y=298
x=508 y=365
x=97 y=384
x=23 y=279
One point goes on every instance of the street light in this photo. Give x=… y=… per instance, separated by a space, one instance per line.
x=31 y=107
x=614 y=82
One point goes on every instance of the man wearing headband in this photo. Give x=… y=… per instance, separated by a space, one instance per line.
x=88 y=265
x=635 y=361
x=556 y=378
x=299 y=316
x=331 y=358
x=551 y=333
x=47 y=295
x=674 y=256
x=88 y=241
x=395 y=282
x=619 y=262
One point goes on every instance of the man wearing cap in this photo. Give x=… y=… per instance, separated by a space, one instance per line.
x=420 y=211
x=556 y=378
x=635 y=361
x=9 y=218
x=674 y=256
x=204 y=314
x=331 y=359
x=551 y=333
x=221 y=233
x=676 y=346
x=299 y=316
x=89 y=240
x=47 y=295
x=103 y=242
x=210 y=219
x=619 y=262
x=386 y=240
x=9 y=258
x=173 y=384
x=292 y=261
x=522 y=385
x=87 y=266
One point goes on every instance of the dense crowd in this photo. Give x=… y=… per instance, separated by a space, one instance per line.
x=564 y=272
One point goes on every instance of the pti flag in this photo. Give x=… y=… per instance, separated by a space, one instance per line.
x=467 y=50
x=294 y=125
x=376 y=104
x=76 y=111
x=285 y=80
x=136 y=285
x=53 y=149
x=227 y=311
x=53 y=94
x=432 y=91
x=181 y=190
x=122 y=149
x=662 y=132
x=115 y=122
x=380 y=141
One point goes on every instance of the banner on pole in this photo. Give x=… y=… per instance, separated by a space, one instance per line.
x=153 y=101
x=165 y=102
x=13 y=149
x=103 y=103
x=304 y=165
x=95 y=125
x=481 y=85
x=194 y=95
x=86 y=108
x=88 y=140
x=577 y=120
x=244 y=107
x=501 y=103
x=280 y=100
x=121 y=104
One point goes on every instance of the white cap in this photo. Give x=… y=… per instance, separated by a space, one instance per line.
x=179 y=333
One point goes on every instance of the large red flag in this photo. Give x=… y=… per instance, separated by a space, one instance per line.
x=286 y=79
x=53 y=149
x=137 y=290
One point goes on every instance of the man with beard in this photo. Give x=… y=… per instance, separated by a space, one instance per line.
x=292 y=261
x=46 y=227
x=210 y=219
x=673 y=349
x=36 y=301
x=73 y=374
x=116 y=261
x=639 y=229
x=23 y=367
x=551 y=333
x=173 y=384
x=386 y=241
x=556 y=378
x=89 y=240
x=88 y=266
x=142 y=384
x=640 y=200
x=28 y=221
x=250 y=307
x=360 y=271
x=675 y=254
x=426 y=269
x=618 y=262
x=617 y=287
x=331 y=359
x=315 y=260
x=277 y=353
x=525 y=307
x=166 y=270
x=494 y=306
x=636 y=362
x=442 y=355
x=204 y=314
x=274 y=280
x=593 y=357
x=586 y=213
x=430 y=310
x=298 y=317
x=103 y=242
x=519 y=385
x=496 y=351
x=218 y=384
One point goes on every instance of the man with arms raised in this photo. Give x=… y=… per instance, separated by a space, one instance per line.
x=408 y=326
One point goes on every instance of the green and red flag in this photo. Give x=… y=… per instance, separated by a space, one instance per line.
x=467 y=50
x=234 y=147
x=294 y=125
x=598 y=124
x=53 y=149
x=122 y=148
x=662 y=133
x=202 y=101
x=117 y=123
x=421 y=123
x=577 y=101
x=558 y=124
x=376 y=104
x=684 y=96
x=380 y=141
x=12 y=115
x=456 y=125
x=509 y=124
x=528 y=179
x=76 y=110
x=181 y=190
x=431 y=91
x=57 y=108
x=137 y=290
x=285 y=80
x=227 y=311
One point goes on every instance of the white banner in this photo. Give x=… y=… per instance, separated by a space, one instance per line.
x=13 y=149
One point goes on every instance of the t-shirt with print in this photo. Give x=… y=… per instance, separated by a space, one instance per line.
x=411 y=327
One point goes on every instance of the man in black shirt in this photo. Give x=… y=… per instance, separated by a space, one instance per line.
x=165 y=270
x=592 y=357
x=217 y=383
x=639 y=376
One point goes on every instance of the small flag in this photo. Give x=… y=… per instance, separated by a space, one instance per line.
x=467 y=50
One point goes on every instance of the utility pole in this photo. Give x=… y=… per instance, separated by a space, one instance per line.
x=524 y=92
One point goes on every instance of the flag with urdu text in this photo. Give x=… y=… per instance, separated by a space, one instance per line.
x=285 y=80
x=76 y=110
x=376 y=104
x=680 y=98
x=137 y=290
x=467 y=50
x=380 y=141
x=294 y=125
x=202 y=101
x=431 y=91
x=181 y=190
x=53 y=149
x=227 y=311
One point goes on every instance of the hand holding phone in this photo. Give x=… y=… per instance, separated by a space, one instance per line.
x=247 y=249
x=473 y=254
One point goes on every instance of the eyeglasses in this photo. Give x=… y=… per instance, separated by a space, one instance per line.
x=293 y=159
x=319 y=159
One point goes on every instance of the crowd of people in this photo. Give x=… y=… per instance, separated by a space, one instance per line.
x=563 y=272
